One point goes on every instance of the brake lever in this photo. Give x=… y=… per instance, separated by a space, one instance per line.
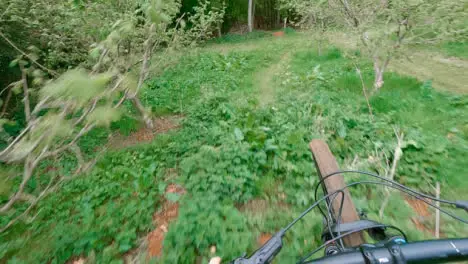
x=266 y=253
x=462 y=205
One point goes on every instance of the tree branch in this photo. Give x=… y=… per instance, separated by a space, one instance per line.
x=5 y=151
x=83 y=131
x=27 y=174
x=54 y=73
x=27 y=106
x=44 y=193
x=7 y=101
x=397 y=153
x=364 y=91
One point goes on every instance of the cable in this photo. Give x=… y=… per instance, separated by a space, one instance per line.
x=310 y=208
x=357 y=183
x=410 y=194
x=302 y=261
x=340 y=210
x=384 y=179
x=415 y=195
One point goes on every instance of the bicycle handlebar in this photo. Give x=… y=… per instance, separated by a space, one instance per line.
x=430 y=251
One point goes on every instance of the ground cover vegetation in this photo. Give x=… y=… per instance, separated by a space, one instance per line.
x=247 y=107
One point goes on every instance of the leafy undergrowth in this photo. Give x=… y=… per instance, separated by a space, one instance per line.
x=230 y=151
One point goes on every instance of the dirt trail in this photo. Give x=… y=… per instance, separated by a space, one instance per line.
x=264 y=80
x=446 y=73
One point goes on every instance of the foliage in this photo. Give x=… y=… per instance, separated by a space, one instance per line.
x=69 y=106
x=221 y=224
x=62 y=30
x=228 y=140
x=383 y=28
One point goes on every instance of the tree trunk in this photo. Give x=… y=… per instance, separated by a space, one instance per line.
x=379 y=70
x=250 y=16
x=143 y=111
x=219 y=30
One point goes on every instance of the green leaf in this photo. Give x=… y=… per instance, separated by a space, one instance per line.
x=76 y=85
x=238 y=133
x=14 y=63
x=342 y=131
x=173 y=197
x=104 y=115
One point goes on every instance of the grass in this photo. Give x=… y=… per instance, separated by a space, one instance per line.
x=232 y=150
x=456 y=49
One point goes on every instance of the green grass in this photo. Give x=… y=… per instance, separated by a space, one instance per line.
x=237 y=38
x=456 y=49
x=230 y=150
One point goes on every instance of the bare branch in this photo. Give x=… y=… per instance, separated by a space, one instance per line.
x=27 y=174
x=7 y=100
x=396 y=157
x=54 y=73
x=25 y=130
x=82 y=132
x=44 y=193
x=364 y=91
x=99 y=63
x=87 y=112
x=146 y=57
x=27 y=106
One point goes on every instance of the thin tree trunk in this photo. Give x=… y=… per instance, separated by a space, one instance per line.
x=396 y=157
x=278 y=19
x=219 y=30
x=7 y=101
x=143 y=76
x=379 y=70
x=250 y=16
x=364 y=91
x=143 y=111
x=27 y=106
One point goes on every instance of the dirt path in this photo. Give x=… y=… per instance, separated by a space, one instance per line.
x=264 y=80
x=446 y=73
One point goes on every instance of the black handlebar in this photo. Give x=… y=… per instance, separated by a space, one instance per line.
x=431 y=251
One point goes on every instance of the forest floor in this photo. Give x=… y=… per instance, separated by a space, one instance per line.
x=229 y=165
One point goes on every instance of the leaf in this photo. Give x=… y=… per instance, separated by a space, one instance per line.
x=238 y=134
x=173 y=197
x=104 y=115
x=13 y=63
x=342 y=131
x=76 y=85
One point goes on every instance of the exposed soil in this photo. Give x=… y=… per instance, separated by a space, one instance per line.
x=161 y=220
x=260 y=207
x=143 y=135
x=421 y=209
x=263 y=238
